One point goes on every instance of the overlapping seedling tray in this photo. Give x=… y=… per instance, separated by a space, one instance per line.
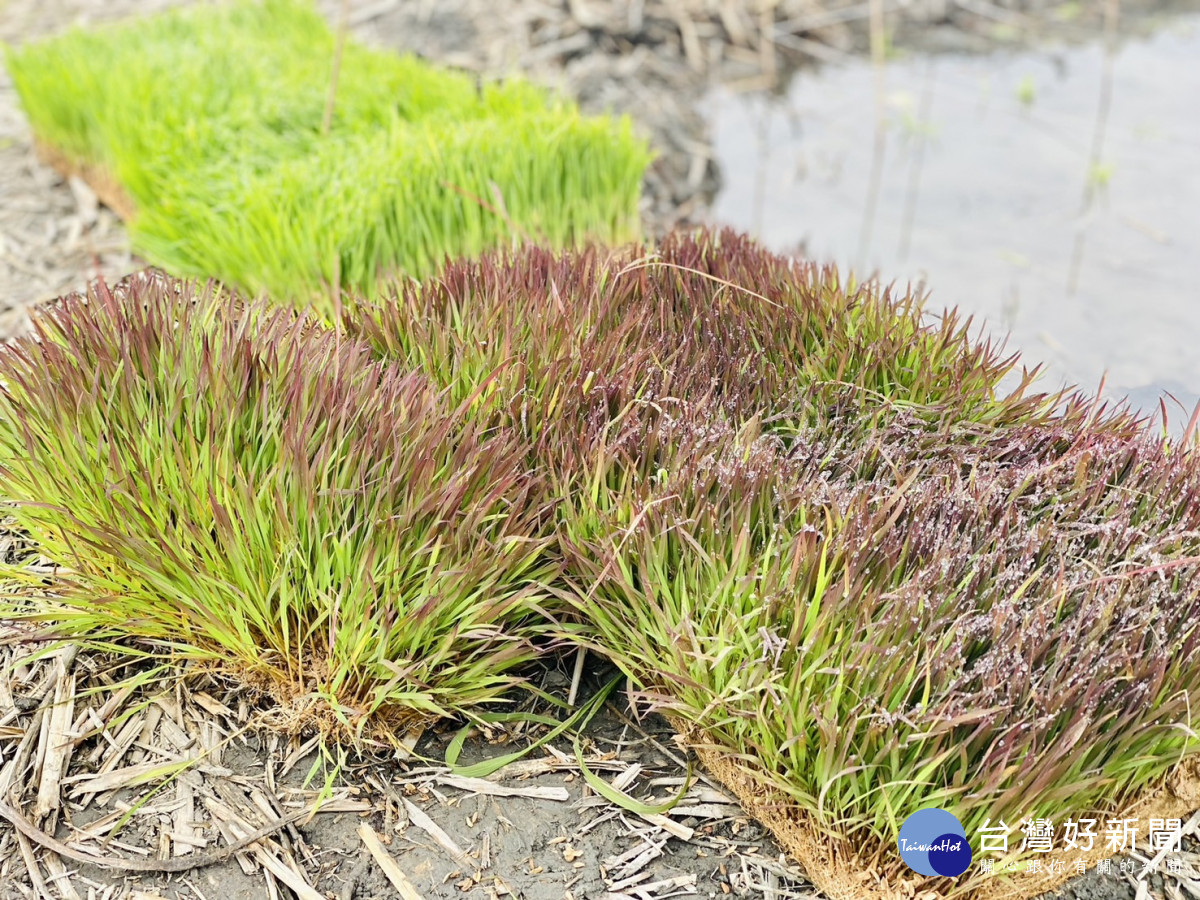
x=206 y=128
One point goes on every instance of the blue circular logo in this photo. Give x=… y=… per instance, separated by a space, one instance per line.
x=933 y=842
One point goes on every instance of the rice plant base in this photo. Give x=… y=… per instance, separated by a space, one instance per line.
x=840 y=872
x=106 y=188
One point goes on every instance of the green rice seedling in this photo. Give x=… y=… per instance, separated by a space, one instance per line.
x=210 y=120
x=254 y=494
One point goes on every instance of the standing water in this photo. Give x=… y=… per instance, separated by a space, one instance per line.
x=1053 y=194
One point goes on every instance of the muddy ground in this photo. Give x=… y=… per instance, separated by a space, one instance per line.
x=654 y=60
x=536 y=829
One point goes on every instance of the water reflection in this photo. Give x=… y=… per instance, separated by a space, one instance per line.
x=1053 y=193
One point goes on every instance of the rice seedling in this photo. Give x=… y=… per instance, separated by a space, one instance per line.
x=807 y=521
x=252 y=494
x=210 y=120
x=1007 y=632
x=598 y=345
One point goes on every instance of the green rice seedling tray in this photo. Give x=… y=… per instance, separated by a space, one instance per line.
x=205 y=128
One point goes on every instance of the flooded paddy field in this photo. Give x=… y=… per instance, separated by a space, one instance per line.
x=1052 y=192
